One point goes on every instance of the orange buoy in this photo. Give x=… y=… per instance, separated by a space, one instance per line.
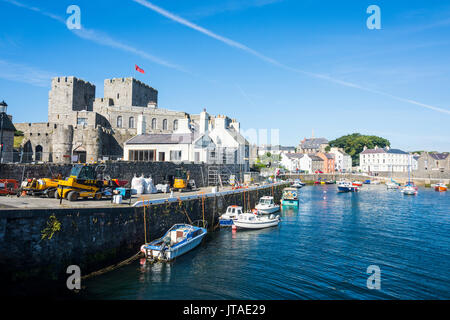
x=233 y=227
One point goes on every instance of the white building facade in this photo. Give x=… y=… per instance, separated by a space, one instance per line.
x=220 y=144
x=384 y=160
x=342 y=161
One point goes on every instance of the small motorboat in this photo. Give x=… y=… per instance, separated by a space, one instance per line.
x=440 y=187
x=330 y=182
x=346 y=186
x=250 y=220
x=178 y=240
x=375 y=182
x=289 y=197
x=226 y=220
x=267 y=205
x=392 y=185
x=298 y=184
x=409 y=190
x=357 y=183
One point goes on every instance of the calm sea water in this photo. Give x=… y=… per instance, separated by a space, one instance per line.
x=321 y=251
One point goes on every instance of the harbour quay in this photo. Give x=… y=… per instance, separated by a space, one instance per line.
x=37 y=245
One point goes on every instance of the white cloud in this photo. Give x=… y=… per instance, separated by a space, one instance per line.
x=25 y=74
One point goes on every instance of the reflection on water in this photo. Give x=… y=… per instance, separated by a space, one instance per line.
x=321 y=250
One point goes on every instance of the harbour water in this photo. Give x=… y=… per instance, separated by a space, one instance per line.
x=321 y=251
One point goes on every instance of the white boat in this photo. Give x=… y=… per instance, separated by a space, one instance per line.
x=346 y=186
x=178 y=240
x=232 y=213
x=391 y=185
x=250 y=220
x=409 y=190
x=266 y=205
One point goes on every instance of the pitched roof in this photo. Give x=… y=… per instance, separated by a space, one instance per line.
x=439 y=156
x=315 y=158
x=384 y=150
x=313 y=143
x=294 y=155
x=171 y=138
x=329 y=155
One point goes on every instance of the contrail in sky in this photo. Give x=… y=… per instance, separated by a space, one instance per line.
x=99 y=37
x=274 y=62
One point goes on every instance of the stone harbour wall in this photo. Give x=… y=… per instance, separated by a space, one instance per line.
x=37 y=246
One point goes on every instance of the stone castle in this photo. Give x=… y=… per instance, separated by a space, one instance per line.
x=83 y=128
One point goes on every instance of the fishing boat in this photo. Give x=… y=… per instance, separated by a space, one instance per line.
x=440 y=187
x=250 y=220
x=392 y=185
x=289 y=197
x=226 y=219
x=298 y=184
x=346 y=186
x=409 y=190
x=266 y=205
x=330 y=182
x=357 y=183
x=178 y=240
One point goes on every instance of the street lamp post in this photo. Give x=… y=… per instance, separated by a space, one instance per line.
x=3 y=107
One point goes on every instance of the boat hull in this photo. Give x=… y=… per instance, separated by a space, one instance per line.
x=174 y=252
x=263 y=210
x=347 y=189
x=287 y=202
x=256 y=225
x=226 y=222
x=440 y=189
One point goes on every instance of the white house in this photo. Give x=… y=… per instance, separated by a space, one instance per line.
x=384 y=160
x=342 y=161
x=221 y=143
x=291 y=161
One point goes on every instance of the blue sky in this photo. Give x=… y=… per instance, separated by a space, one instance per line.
x=291 y=65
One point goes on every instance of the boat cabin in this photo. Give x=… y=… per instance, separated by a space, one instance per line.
x=234 y=210
x=267 y=200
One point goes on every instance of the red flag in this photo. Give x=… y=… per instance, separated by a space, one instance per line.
x=139 y=69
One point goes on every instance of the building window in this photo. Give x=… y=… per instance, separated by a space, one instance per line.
x=165 y=124
x=175 y=125
x=175 y=155
x=117 y=96
x=131 y=123
x=142 y=155
x=119 y=122
x=154 y=123
x=82 y=121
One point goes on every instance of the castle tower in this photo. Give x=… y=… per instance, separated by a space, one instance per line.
x=69 y=94
x=130 y=92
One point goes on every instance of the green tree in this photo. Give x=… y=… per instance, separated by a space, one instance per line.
x=354 y=143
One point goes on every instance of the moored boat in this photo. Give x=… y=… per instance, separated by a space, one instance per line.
x=440 y=187
x=178 y=240
x=226 y=219
x=254 y=221
x=289 y=197
x=298 y=184
x=357 y=183
x=392 y=185
x=266 y=205
x=409 y=190
x=346 y=186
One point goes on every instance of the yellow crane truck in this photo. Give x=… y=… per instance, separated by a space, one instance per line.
x=83 y=182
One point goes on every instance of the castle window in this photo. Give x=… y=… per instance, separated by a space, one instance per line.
x=131 y=123
x=165 y=124
x=175 y=125
x=117 y=96
x=82 y=121
x=119 y=122
x=154 y=123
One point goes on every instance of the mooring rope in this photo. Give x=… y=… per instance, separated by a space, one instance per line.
x=112 y=267
x=180 y=203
